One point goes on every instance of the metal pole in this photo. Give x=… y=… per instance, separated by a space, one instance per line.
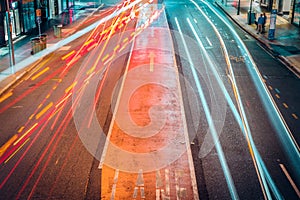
x=9 y=35
x=239 y=7
x=249 y=22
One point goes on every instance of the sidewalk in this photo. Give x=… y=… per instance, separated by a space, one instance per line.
x=22 y=44
x=285 y=46
x=23 y=48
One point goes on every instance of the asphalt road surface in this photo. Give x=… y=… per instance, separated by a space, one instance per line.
x=159 y=101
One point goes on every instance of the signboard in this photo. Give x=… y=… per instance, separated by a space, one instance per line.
x=38 y=12
x=272 y=27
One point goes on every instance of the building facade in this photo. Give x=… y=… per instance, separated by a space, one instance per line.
x=23 y=15
x=296 y=13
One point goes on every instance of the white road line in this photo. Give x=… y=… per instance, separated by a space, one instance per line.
x=167 y=177
x=113 y=193
x=208 y=117
x=290 y=179
x=208 y=41
x=115 y=110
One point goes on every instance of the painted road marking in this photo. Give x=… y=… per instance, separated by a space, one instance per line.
x=88 y=42
x=64 y=48
x=70 y=87
x=295 y=116
x=44 y=110
x=68 y=55
x=113 y=193
x=210 y=44
x=285 y=105
x=270 y=87
x=139 y=186
x=125 y=40
x=117 y=47
x=21 y=129
x=140 y=151
x=151 y=56
x=7 y=144
x=277 y=90
x=290 y=179
x=105 y=57
x=265 y=77
x=6 y=96
x=40 y=73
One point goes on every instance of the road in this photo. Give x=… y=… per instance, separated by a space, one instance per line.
x=157 y=102
x=216 y=53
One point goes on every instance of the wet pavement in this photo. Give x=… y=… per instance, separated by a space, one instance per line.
x=286 y=44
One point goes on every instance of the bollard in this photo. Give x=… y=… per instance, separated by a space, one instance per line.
x=43 y=38
x=35 y=45
x=57 y=30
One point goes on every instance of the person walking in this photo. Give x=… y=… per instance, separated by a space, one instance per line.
x=264 y=23
x=260 y=22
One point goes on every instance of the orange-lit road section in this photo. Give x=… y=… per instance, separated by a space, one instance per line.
x=147 y=153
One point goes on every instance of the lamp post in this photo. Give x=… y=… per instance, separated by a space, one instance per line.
x=239 y=7
x=9 y=35
x=250 y=13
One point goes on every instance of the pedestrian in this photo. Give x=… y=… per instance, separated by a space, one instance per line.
x=264 y=23
x=260 y=22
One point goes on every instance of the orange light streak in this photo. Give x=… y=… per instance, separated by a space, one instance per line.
x=27 y=132
x=68 y=55
x=40 y=73
x=18 y=149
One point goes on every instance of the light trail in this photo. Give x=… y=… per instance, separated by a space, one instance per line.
x=245 y=127
x=210 y=122
x=27 y=132
x=59 y=174
x=59 y=133
x=291 y=147
x=5 y=146
x=28 y=61
x=251 y=65
x=51 y=111
x=18 y=149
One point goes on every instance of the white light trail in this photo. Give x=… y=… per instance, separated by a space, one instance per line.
x=213 y=131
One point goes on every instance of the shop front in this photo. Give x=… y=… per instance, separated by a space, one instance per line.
x=15 y=19
x=28 y=15
x=296 y=13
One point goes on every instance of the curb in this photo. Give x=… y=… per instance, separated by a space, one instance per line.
x=265 y=45
x=12 y=79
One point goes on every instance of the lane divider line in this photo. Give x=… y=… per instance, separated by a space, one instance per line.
x=6 y=96
x=295 y=116
x=44 y=110
x=4 y=147
x=290 y=179
x=68 y=55
x=40 y=73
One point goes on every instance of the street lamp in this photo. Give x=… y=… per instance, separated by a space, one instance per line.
x=239 y=7
x=9 y=35
x=250 y=13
